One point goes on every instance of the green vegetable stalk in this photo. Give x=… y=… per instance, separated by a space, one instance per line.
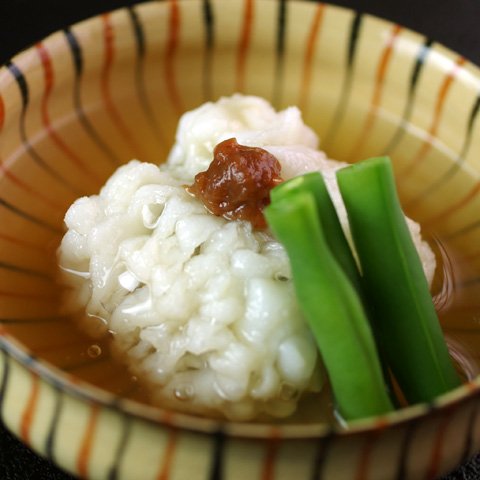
x=331 y=306
x=313 y=182
x=397 y=291
x=337 y=243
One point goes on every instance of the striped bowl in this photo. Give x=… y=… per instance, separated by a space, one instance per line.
x=91 y=97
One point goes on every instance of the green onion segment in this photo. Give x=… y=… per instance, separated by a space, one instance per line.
x=331 y=306
x=403 y=314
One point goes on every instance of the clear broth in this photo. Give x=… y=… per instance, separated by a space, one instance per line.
x=456 y=289
x=59 y=341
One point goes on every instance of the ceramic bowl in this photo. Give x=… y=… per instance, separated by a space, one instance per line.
x=89 y=98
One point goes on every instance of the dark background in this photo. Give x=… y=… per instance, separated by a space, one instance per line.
x=455 y=23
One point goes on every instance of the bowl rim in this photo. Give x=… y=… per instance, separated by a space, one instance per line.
x=80 y=389
x=71 y=385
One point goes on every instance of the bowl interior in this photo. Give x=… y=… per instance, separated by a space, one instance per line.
x=79 y=104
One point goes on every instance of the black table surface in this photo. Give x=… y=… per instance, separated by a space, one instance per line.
x=23 y=22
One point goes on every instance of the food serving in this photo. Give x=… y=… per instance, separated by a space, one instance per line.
x=87 y=100
x=218 y=302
